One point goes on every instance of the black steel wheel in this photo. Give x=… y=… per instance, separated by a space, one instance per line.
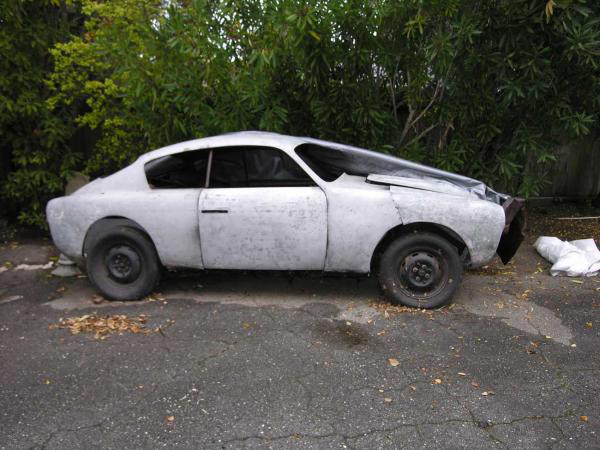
x=421 y=270
x=122 y=263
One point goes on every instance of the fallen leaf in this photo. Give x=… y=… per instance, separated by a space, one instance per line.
x=387 y=399
x=525 y=294
x=462 y=374
x=474 y=384
x=437 y=381
x=486 y=393
x=381 y=333
x=170 y=418
x=588 y=324
x=583 y=418
x=47 y=381
x=393 y=362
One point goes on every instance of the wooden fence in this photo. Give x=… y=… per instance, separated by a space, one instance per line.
x=576 y=172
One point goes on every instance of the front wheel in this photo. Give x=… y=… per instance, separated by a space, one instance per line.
x=122 y=263
x=422 y=270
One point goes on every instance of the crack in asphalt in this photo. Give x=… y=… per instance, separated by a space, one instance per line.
x=59 y=431
x=369 y=432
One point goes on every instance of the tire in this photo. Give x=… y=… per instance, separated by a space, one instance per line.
x=421 y=270
x=122 y=263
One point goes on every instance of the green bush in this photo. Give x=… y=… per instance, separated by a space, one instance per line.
x=36 y=159
x=485 y=88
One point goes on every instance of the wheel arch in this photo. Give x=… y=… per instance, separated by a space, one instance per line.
x=404 y=229
x=104 y=224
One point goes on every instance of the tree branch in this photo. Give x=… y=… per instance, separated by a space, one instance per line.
x=421 y=134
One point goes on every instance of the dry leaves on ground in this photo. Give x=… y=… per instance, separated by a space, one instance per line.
x=496 y=268
x=102 y=326
x=544 y=222
x=386 y=309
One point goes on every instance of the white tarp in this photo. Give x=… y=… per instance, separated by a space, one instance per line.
x=573 y=259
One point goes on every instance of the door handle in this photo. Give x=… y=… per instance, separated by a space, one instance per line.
x=215 y=211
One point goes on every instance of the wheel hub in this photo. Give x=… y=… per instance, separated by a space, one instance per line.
x=123 y=263
x=420 y=272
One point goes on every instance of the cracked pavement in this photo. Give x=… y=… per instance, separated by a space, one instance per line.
x=273 y=360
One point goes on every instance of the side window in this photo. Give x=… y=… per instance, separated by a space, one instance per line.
x=228 y=168
x=255 y=167
x=270 y=167
x=182 y=170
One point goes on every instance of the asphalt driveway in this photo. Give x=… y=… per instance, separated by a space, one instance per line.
x=274 y=360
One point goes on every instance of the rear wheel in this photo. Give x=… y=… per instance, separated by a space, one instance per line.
x=421 y=270
x=122 y=263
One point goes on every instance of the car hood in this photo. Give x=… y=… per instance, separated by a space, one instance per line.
x=423 y=184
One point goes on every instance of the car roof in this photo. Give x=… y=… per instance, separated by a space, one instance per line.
x=240 y=138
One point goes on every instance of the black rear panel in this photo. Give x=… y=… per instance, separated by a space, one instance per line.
x=514 y=233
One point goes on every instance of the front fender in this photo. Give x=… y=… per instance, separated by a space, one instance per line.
x=479 y=223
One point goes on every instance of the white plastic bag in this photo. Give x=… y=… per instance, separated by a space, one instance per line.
x=573 y=259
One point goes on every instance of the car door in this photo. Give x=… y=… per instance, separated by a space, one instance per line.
x=260 y=210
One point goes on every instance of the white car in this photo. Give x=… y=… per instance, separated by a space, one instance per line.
x=264 y=201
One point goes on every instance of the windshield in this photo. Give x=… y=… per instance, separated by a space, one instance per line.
x=329 y=162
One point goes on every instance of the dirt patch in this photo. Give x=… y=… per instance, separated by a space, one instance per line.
x=340 y=332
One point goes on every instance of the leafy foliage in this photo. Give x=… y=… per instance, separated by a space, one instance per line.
x=35 y=160
x=473 y=86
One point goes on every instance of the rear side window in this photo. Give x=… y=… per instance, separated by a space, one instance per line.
x=180 y=171
x=255 y=167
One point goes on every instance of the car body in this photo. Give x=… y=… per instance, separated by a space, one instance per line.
x=265 y=201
